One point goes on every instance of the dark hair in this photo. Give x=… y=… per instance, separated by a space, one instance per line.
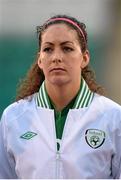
x=34 y=78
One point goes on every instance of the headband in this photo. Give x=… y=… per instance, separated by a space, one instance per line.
x=69 y=21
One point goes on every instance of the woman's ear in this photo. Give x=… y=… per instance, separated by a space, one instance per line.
x=39 y=61
x=86 y=59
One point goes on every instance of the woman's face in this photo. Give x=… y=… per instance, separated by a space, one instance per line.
x=61 y=58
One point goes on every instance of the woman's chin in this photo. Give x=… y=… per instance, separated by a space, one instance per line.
x=59 y=81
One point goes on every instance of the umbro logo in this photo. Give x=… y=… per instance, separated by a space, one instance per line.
x=28 y=135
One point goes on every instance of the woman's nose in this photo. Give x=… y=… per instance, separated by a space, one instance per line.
x=57 y=60
x=57 y=57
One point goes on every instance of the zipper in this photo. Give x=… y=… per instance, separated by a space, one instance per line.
x=58 y=152
x=64 y=130
x=57 y=165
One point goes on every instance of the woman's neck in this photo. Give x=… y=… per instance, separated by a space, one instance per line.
x=61 y=96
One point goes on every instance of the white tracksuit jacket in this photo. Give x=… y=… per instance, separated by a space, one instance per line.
x=90 y=145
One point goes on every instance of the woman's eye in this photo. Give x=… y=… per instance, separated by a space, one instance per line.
x=67 y=49
x=48 y=49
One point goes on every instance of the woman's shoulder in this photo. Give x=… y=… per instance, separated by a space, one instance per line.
x=105 y=100
x=19 y=107
x=105 y=104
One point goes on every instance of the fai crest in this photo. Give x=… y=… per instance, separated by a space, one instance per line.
x=94 y=137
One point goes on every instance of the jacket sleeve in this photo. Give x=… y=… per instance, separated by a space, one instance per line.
x=116 y=137
x=7 y=170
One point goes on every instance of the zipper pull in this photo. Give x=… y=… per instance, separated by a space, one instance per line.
x=58 y=141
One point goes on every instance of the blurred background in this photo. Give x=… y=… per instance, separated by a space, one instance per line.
x=19 y=43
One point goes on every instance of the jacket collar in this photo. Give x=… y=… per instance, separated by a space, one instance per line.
x=83 y=99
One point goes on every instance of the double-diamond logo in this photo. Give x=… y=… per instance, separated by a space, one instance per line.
x=28 y=135
x=94 y=137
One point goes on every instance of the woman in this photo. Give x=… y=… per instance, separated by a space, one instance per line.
x=61 y=125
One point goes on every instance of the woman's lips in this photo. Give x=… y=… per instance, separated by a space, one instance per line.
x=57 y=69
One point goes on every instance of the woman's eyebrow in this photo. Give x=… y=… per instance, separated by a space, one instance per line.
x=67 y=42
x=49 y=43
x=62 y=43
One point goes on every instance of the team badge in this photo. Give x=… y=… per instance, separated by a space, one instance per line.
x=94 y=137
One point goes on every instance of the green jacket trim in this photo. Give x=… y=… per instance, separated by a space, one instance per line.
x=84 y=97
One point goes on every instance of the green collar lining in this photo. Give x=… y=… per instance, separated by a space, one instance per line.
x=83 y=99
